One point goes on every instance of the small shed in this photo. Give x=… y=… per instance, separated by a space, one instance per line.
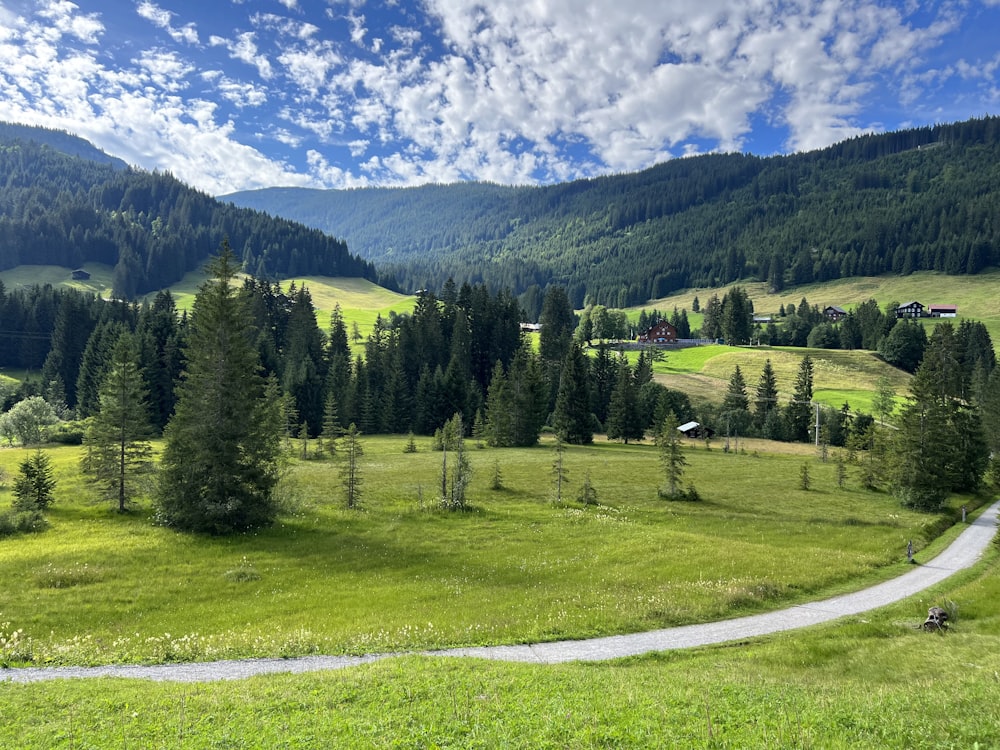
x=942 y=311
x=910 y=310
x=695 y=430
x=80 y=275
x=661 y=333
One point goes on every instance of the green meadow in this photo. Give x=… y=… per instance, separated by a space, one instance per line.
x=976 y=296
x=399 y=575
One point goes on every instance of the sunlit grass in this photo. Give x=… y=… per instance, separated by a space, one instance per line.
x=868 y=681
x=401 y=574
x=975 y=295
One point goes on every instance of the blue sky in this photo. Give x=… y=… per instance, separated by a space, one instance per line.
x=239 y=94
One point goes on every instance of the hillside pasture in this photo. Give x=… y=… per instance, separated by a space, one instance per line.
x=703 y=372
x=975 y=296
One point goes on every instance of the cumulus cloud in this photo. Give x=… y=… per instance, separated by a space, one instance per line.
x=510 y=91
x=187 y=33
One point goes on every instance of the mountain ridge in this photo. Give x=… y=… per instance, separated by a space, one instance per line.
x=918 y=199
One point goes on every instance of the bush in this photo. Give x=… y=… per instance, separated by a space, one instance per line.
x=68 y=433
x=21 y=522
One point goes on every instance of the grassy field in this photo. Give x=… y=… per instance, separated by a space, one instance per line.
x=100 y=587
x=868 y=681
x=838 y=376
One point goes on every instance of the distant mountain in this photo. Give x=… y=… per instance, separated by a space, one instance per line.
x=63 y=202
x=59 y=140
x=922 y=199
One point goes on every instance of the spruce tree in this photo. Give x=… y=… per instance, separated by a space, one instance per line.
x=671 y=457
x=34 y=484
x=799 y=413
x=572 y=416
x=624 y=421
x=766 y=396
x=118 y=451
x=221 y=459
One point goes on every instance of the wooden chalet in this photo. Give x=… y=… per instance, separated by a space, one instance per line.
x=80 y=275
x=910 y=310
x=660 y=333
x=834 y=313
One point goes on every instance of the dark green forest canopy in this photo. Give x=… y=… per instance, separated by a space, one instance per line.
x=921 y=199
x=67 y=209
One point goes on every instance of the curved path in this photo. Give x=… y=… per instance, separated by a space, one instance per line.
x=963 y=553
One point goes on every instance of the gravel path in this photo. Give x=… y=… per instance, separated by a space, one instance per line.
x=961 y=554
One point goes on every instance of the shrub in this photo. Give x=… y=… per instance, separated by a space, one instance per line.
x=67 y=433
x=21 y=522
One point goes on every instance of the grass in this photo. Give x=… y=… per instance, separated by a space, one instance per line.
x=703 y=372
x=99 y=587
x=867 y=681
x=975 y=295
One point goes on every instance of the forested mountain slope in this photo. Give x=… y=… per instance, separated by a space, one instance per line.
x=65 y=209
x=920 y=199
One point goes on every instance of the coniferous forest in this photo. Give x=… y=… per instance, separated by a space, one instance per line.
x=921 y=199
x=67 y=209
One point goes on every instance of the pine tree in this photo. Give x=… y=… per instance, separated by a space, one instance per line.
x=118 y=451
x=671 y=457
x=572 y=416
x=221 y=460
x=350 y=469
x=799 y=413
x=624 y=420
x=736 y=405
x=766 y=396
x=454 y=484
x=327 y=444
x=34 y=484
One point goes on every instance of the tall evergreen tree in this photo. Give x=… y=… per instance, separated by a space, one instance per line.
x=799 y=413
x=939 y=446
x=118 y=451
x=671 y=456
x=572 y=416
x=304 y=363
x=221 y=459
x=736 y=404
x=624 y=420
x=766 y=396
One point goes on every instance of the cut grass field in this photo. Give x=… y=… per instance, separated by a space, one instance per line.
x=867 y=682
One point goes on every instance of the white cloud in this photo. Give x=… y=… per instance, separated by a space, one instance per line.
x=511 y=90
x=64 y=19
